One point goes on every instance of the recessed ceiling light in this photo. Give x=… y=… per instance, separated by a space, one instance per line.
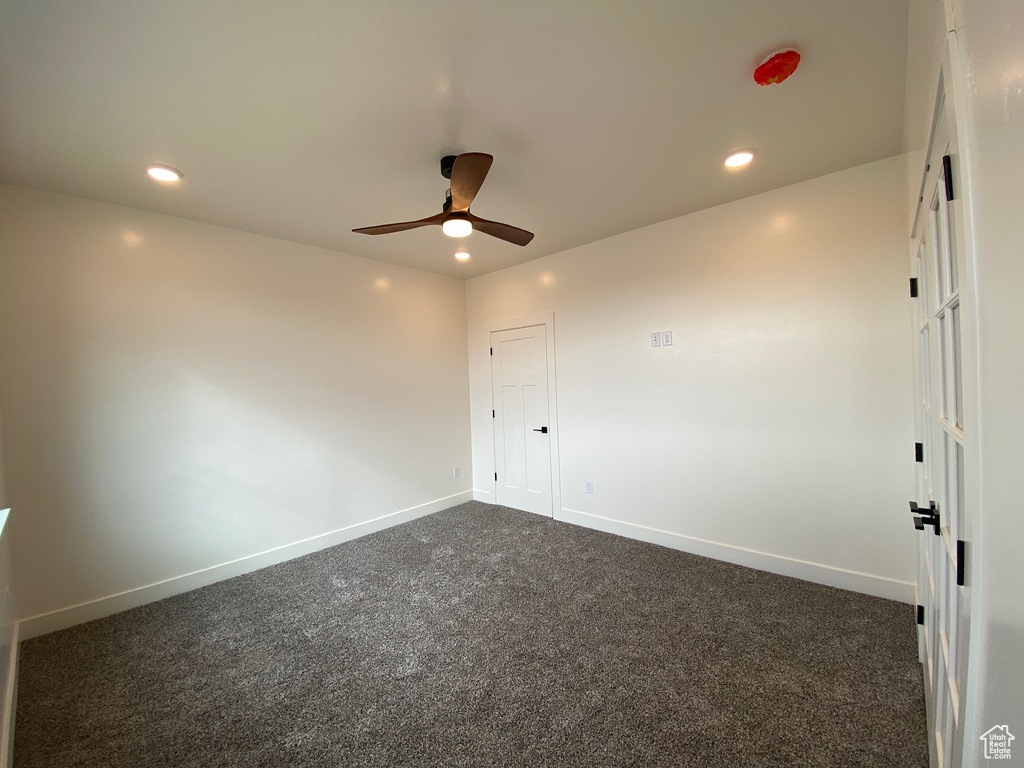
x=457 y=226
x=164 y=173
x=739 y=159
x=462 y=254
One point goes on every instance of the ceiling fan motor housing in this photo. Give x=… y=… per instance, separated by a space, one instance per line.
x=447 y=163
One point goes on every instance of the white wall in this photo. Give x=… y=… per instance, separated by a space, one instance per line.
x=177 y=396
x=926 y=35
x=779 y=422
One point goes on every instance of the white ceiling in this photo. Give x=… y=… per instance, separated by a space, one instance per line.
x=303 y=119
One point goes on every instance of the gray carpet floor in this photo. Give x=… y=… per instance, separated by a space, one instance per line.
x=483 y=636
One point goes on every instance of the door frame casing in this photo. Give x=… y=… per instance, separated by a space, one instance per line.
x=547 y=319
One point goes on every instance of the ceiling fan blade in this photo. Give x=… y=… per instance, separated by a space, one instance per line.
x=468 y=174
x=387 y=229
x=502 y=231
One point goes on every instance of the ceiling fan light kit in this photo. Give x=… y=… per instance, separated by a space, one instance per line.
x=467 y=173
x=456 y=226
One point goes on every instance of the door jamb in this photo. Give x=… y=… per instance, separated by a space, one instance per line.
x=547 y=319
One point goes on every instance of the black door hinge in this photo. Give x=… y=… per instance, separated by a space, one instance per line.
x=961 y=562
x=492 y=414
x=495 y=476
x=920 y=614
x=947 y=173
x=913 y=287
x=918 y=452
x=492 y=351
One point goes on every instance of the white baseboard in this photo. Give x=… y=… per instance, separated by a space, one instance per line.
x=485 y=496
x=10 y=701
x=878 y=586
x=105 y=606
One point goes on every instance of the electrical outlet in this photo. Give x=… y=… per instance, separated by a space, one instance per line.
x=588 y=486
x=456 y=471
x=666 y=338
x=656 y=339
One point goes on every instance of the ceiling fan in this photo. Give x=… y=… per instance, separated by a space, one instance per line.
x=467 y=173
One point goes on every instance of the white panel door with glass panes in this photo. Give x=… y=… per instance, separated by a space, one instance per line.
x=942 y=519
x=522 y=447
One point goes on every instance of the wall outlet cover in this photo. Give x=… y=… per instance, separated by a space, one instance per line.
x=656 y=339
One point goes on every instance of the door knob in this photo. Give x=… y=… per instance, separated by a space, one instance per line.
x=542 y=429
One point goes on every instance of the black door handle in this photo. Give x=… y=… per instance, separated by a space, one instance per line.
x=928 y=516
x=542 y=429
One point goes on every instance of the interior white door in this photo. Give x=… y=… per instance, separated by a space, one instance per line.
x=939 y=266
x=522 y=443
